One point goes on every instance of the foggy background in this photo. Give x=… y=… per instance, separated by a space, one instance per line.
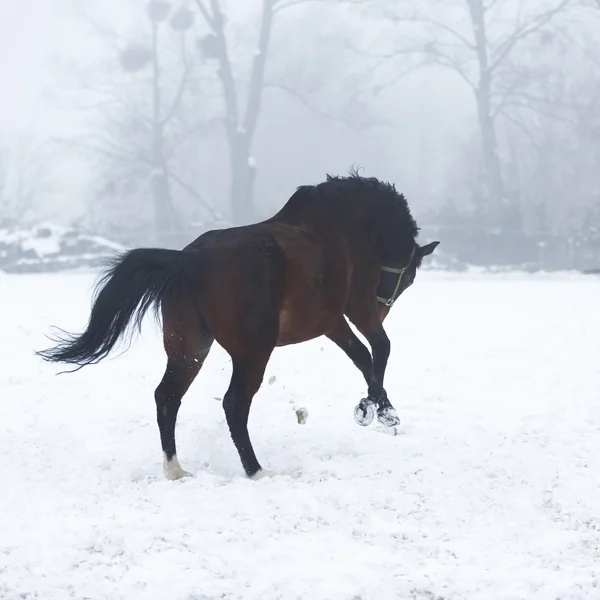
x=146 y=123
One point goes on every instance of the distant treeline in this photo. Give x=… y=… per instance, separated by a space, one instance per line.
x=489 y=246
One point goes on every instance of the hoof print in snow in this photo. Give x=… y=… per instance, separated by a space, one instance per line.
x=302 y=415
x=393 y=430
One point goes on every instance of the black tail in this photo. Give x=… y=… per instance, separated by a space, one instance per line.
x=132 y=283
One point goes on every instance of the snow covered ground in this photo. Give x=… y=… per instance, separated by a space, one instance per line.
x=490 y=490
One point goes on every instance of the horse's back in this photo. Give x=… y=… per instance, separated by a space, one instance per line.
x=295 y=272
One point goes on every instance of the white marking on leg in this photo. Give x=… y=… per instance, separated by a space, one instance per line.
x=172 y=469
x=261 y=474
x=388 y=417
x=364 y=413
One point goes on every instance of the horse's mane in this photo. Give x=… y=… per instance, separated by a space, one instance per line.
x=388 y=202
x=387 y=214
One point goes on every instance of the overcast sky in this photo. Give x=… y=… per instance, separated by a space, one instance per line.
x=26 y=41
x=430 y=140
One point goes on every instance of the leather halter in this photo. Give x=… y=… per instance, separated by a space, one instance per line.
x=389 y=302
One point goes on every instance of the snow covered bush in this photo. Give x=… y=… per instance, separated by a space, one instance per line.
x=47 y=247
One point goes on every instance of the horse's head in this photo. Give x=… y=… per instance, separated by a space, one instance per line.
x=395 y=279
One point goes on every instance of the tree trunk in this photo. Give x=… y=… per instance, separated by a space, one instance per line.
x=493 y=181
x=243 y=174
x=240 y=131
x=165 y=218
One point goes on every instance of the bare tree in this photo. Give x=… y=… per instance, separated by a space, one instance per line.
x=478 y=40
x=143 y=120
x=137 y=113
x=24 y=176
x=241 y=115
x=558 y=113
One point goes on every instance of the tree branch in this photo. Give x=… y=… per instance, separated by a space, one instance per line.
x=547 y=101
x=279 y=5
x=204 y=12
x=224 y=72
x=322 y=113
x=576 y=42
x=190 y=130
x=522 y=128
x=190 y=190
x=257 y=75
x=490 y=6
x=451 y=63
x=540 y=111
x=441 y=25
x=524 y=31
x=108 y=152
x=105 y=32
x=508 y=93
x=401 y=75
x=182 y=84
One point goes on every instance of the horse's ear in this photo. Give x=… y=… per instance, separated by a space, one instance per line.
x=428 y=249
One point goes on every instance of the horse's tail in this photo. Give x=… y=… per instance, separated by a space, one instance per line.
x=132 y=283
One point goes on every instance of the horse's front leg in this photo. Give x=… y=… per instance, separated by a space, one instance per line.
x=373 y=331
x=380 y=348
x=358 y=353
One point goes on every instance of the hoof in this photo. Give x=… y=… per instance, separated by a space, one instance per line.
x=364 y=413
x=388 y=417
x=261 y=475
x=173 y=471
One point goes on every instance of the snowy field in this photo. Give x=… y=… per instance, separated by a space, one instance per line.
x=490 y=489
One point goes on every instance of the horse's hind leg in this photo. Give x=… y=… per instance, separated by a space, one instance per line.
x=187 y=342
x=246 y=379
x=178 y=377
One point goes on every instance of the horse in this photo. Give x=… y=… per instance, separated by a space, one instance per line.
x=339 y=252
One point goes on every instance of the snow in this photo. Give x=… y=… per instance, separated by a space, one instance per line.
x=45 y=238
x=489 y=490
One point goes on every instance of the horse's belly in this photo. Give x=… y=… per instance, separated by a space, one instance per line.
x=295 y=328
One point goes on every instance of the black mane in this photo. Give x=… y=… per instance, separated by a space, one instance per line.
x=390 y=203
x=382 y=211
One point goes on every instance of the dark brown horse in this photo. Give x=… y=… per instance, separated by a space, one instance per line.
x=343 y=248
